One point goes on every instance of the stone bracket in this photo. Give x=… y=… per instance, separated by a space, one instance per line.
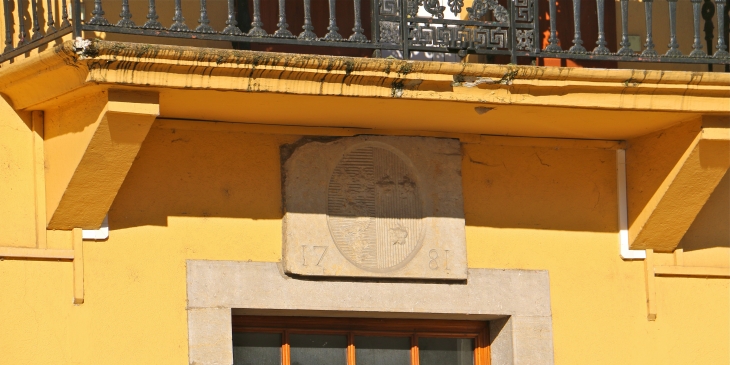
x=118 y=133
x=675 y=204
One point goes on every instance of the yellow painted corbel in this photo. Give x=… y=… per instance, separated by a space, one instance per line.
x=666 y=217
x=87 y=168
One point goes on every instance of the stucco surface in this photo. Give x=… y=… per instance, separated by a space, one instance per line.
x=570 y=229
x=216 y=195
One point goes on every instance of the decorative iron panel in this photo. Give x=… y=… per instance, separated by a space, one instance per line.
x=496 y=27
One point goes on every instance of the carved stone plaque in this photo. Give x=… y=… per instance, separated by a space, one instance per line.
x=375 y=207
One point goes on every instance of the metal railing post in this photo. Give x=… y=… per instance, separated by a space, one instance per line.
x=512 y=31
x=405 y=30
x=76 y=18
x=375 y=27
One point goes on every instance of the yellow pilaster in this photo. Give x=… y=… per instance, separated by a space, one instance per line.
x=78 y=248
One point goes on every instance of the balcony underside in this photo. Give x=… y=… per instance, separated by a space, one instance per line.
x=284 y=89
x=99 y=102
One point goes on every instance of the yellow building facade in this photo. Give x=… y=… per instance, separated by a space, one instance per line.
x=124 y=166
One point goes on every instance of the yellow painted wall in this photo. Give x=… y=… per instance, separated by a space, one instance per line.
x=556 y=210
x=190 y=195
x=17 y=193
x=215 y=195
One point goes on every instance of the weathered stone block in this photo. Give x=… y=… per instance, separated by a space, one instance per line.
x=374 y=206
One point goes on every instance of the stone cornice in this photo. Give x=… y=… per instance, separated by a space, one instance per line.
x=159 y=66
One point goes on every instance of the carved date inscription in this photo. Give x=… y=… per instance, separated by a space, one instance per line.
x=374 y=208
x=319 y=251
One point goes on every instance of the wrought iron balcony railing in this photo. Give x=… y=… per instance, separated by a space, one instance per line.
x=507 y=28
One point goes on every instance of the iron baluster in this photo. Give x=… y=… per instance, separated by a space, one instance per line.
x=204 y=22
x=405 y=29
x=77 y=31
x=375 y=27
x=152 y=17
x=282 y=32
x=673 y=45
x=358 y=35
x=625 y=44
x=553 y=42
x=332 y=35
x=179 y=21
x=50 y=28
x=21 y=25
x=726 y=31
x=697 y=45
x=256 y=24
x=64 y=15
x=8 y=25
x=649 y=50
x=395 y=27
x=577 y=41
x=708 y=11
x=231 y=24
x=513 y=43
x=308 y=33
x=126 y=16
x=535 y=28
x=721 y=52
x=98 y=12
x=601 y=42
x=36 y=26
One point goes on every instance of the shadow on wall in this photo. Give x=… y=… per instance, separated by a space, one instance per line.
x=227 y=174
x=237 y=175
x=540 y=188
x=190 y=173
x=711 y=228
